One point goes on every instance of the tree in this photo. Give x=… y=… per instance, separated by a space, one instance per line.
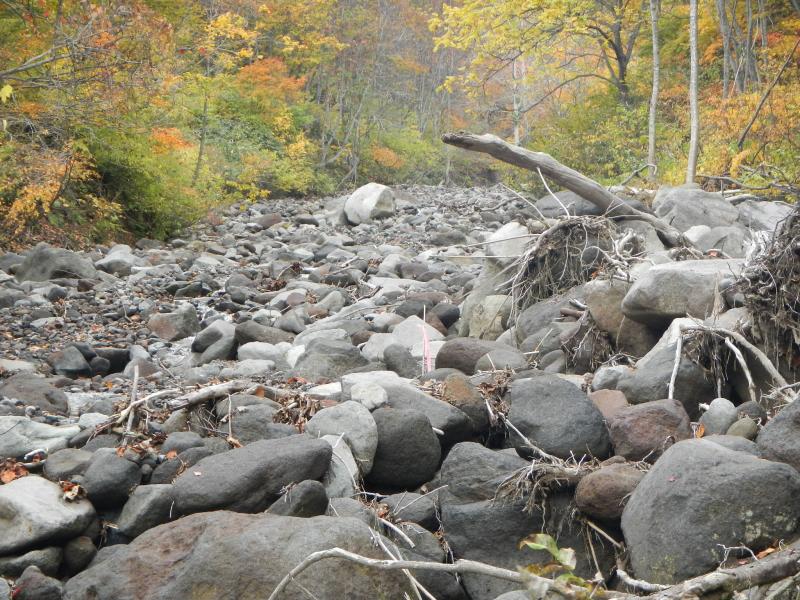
x=651 y=123
x=691 y=168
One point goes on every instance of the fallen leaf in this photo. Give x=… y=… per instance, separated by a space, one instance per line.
x=11 y=470
x=701 y=430
x=171 y=454
x=72 y=491
x=766 y=552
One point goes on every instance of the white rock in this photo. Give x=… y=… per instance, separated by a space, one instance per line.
x=369 y=202
x=409 y=332
x=20 y=435
x=369 y=395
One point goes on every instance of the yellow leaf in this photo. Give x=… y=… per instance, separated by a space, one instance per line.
x=5 y=93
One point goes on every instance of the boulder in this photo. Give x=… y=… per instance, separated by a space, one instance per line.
x=602 y=494
x=324 y=360
x=489 y=318
x=215 y=342
x=34 y=513
x=20 y=435
x=147 y=507
x=699 y=497
x=762 y=216
x=557 y=417
x=646 y=430
x=354 y=422
x=306 y=499
x=44 y=262
x=673 y=290
x=70 y=362
x=463 y=353
x=249 y=479
x=231 y=556
x=473 y=472
x=109 y=479
x=35 y=390
x=721 y=414
x=368 y=203
x=779 y=440
x=686 y=206
x=175 y=325
x=408 y=450
x=490 y=532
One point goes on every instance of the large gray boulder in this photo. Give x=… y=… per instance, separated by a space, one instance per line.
x=45 y=262
x=490 y=532
x=175 y=325
x=557 y=417
x=355 y=424
x=762 y=216
x=673 y=290
x=249 y=479
x=369 y=202
x=699 y=496
x=686 y=206
x=408 y=451
x=232 y=556
x=120 y=260
x=780 y=438
x=328 y=359
x=34 y=514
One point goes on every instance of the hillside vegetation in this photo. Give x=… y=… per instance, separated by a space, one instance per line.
x=140 y=115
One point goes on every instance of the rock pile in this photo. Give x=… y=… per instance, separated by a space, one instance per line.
x=194 y=418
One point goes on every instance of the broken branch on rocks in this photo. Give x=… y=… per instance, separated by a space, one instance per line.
x=611 y=205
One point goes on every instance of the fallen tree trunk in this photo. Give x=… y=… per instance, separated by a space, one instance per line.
x=588 y=189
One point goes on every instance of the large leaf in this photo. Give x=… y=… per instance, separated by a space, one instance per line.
x=542 y=541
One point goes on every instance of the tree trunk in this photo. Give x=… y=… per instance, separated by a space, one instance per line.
x=725 y=31
x=691 y=169
x=570 y=179
x=651 y=124
x=201 y=149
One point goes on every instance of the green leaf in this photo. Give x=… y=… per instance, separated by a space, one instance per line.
x=542 y=541
x=5 y=93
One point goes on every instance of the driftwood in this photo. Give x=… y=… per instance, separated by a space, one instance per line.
x=779 y=566
x=611 y=205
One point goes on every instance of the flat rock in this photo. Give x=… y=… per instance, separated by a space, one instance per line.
x=33 y=512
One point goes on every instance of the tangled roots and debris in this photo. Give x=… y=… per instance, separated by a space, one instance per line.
x=571 y=252
x=771 y=286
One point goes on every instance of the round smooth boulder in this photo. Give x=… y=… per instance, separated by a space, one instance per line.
x=602 y=494
x=408 y=450
x=557 y=417
x=700 y=496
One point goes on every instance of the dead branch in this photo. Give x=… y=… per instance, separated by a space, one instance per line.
x=779 y=566
x=211 y=392
x=460 y=566
x=586 y=188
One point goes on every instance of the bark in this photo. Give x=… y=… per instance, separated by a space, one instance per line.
x=725 y=31
x=651 y=124
x=586 y=188
x=691 y=168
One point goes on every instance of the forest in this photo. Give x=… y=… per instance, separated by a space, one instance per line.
x=135 y=117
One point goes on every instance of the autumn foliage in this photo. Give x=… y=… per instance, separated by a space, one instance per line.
x=139 y=115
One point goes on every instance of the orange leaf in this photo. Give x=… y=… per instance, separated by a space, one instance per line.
x=701 y=430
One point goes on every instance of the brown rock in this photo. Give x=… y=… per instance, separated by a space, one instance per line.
x=604 y=299
x=648 y=429
x=603 y=494
x=459 y=392
x=609 y=402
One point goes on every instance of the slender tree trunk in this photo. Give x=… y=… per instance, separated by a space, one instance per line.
x=691 y=169
x=202 y=147
x=725 y=31
x=651 y=124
